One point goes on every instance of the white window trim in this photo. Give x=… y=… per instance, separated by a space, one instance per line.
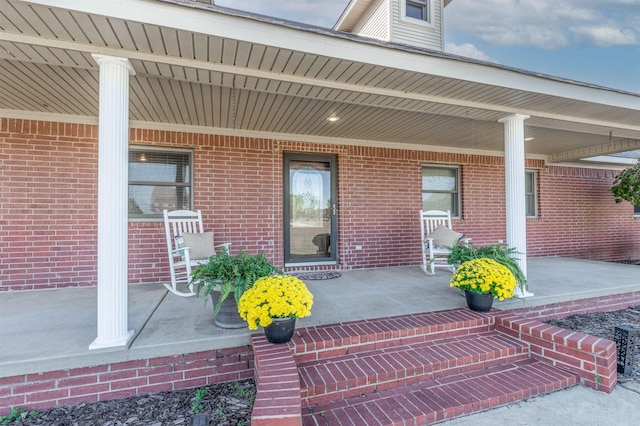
x=458 y=170
x=535 y=193
x=191 y=175
x=408 y=19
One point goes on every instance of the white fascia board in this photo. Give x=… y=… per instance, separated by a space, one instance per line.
x=334 y=45
x=611 y=159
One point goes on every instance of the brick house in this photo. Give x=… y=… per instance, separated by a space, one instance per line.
x=315 y=146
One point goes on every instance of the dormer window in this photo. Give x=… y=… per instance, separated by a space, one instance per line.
x=418 y=11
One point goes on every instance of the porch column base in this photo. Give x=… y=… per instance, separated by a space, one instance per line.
x=521 y=293
x=102 y=344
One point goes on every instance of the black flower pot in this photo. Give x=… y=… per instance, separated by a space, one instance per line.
x=228 y=316
x=280 y=330
x=479 y=302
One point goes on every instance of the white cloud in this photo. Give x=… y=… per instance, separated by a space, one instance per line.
x=548 y=24
x=605 y=36
x=468 y=50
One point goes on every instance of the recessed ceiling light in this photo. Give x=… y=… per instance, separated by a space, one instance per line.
x=530 y=138
x=333 y=119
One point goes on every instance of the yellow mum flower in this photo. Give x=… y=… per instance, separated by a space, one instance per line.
x=277 y=296
x=485 y=276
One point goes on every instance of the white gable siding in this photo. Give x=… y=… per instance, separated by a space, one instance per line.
x=415 y=34
x=375 y=22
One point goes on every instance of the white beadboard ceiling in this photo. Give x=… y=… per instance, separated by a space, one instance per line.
x=212 y=80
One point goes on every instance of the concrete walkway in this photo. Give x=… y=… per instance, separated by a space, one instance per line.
x=576 y=406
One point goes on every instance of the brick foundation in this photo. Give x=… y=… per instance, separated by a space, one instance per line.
x=124 y=379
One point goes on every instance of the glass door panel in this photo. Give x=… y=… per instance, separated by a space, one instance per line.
x=310 y=208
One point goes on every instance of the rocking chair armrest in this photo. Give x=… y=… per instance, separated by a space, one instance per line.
x=430 y=244
x=184 y=254
x=180 y=252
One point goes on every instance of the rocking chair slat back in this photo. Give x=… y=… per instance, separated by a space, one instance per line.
x=176 y=223
x=433 y=256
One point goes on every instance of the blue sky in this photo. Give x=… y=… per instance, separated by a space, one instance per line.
x=593 y=41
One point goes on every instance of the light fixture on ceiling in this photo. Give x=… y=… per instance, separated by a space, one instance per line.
x=143 y=157
x=530 y=138
x=333 y=118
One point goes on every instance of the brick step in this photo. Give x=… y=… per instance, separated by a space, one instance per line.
x=370 y=371
x=440 y=399
x=318 y=342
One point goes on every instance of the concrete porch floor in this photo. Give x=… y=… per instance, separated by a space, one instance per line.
x=52 y=329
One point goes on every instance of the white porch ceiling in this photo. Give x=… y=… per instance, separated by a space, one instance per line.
x=212 y=80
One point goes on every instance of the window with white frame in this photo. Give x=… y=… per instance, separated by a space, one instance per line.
x=531 y=193
x=419 y=10
x=441 y=189
x=159 y=178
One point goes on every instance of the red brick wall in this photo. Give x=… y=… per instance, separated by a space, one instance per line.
x=48 y=175
x=124 y=379
x=48 y=221
x=579 y=217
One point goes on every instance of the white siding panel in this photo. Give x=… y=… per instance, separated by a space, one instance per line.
x=414 y=34
x=375 y=23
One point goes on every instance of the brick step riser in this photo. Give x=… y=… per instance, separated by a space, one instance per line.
x=433 y=401
x=329 y=348
x=423 y=400
x=362 y=372
x=392 y=379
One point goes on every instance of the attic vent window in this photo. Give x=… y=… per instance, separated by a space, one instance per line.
x=418 y=10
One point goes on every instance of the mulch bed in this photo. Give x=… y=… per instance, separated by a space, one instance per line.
x=228 y=404
x=602 y=324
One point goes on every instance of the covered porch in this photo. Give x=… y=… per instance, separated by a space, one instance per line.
x=60 y=324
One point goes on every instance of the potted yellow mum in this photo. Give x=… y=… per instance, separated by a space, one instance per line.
x=274 y=303
x=482 y=280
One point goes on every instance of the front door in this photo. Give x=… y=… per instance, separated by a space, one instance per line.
x=310 y=209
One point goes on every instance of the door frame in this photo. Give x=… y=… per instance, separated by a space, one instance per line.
x=332 y=160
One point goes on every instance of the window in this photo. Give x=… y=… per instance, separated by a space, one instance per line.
x=531 y=193
x=440 y=189
x=418 y=9
x=159 y=179
x=636 y=211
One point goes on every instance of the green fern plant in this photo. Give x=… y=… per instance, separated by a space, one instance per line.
x=498 y=252
x=229 y=273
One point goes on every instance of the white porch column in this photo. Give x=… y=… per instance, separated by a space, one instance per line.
x=113 y=146
x=514 y=166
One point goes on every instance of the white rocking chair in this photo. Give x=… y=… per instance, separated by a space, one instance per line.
x=180 y=227
x=437 y=239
